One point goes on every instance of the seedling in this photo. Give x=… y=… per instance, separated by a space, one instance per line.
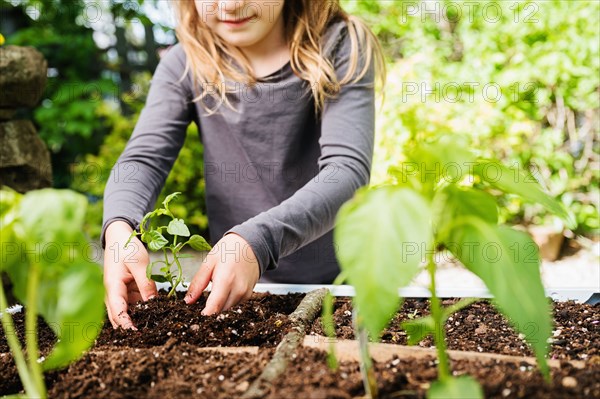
x=156 y=241
x=44 y=254
x=413 y=315
x=443 y=199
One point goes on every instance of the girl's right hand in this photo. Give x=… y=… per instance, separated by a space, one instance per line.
x=125 y=278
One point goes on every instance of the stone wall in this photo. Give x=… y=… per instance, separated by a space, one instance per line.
x=24 y=158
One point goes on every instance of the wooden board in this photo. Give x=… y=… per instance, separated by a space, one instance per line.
x=347 y=350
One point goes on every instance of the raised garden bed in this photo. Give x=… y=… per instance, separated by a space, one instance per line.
x=177 y=353
x=481 y=328
x=409 y=377
x=174 y=336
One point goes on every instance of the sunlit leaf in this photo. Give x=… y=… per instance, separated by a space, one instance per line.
x=178 y=228
x=445 y=160
x=10 y=248
x=52 y=216
x=168 y=199
x=379 y=238
x=418 y=329
x=463 y=387
x=199 y=243
x=150 y=267
x=155 y=240
x=77 y=313
x=451 y=203
x=47 y=230
x=514 y=181
x=508 y=263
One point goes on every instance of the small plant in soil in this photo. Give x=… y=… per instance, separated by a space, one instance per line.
x=44 y=255
x=155 y=239
x=444 y=200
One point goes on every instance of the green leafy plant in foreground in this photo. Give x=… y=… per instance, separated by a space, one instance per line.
x=443 y=200
x=156 y=241
x=45 y=255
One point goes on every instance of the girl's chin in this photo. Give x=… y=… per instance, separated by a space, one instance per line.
x=239 y=39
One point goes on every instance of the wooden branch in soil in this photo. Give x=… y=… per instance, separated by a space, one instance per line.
x=301 y=319
x=347 y=350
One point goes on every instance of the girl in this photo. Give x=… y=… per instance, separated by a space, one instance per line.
x=282 y=93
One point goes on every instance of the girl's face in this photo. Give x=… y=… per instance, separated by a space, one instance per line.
x=242 y=23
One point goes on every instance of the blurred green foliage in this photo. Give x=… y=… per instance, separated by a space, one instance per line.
x=92 y=173
x=519 y=80
x=66 y=118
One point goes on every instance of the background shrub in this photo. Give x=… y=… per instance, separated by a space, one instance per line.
x=518 y=81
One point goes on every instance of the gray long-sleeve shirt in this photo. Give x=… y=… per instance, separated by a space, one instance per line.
x=276 y=174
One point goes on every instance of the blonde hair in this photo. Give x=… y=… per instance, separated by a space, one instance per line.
x=305 y=23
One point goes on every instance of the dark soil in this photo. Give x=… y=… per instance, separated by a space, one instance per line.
x=309 y=377
x=163 y=358
x=172 y=370
x=9 y=378
x=8 y=290
x=46 y=337
x=261 y=321
x=481 y=328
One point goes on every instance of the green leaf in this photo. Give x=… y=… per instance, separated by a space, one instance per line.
x=131 y=236
x=452 y=203
x=145 y=220
x=448 y=158
x=150 y=267
x=47 y=226
x=150 y=215
x=508 y=263
x=9 y=199
x=525 y=185
x=379 y=236
x=463 y=387
x=46 y=229
x=159 y=278
x=178 y=228
x=168 y=199
x=445 y=160
x=146 y=236
x=155 y=240
x=198 y=243
x=166 y=269
x=52 y=216
x=77 y=313
x=10 y=248
x=10 y=251
x=418 y=329
x=149 y=270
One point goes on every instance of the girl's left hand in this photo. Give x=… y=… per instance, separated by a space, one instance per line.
x=233 y=269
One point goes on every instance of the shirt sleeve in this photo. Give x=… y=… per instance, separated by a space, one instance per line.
x=346 y=143
x=137 y=178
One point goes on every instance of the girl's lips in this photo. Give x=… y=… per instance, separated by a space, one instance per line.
x=238 y=22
